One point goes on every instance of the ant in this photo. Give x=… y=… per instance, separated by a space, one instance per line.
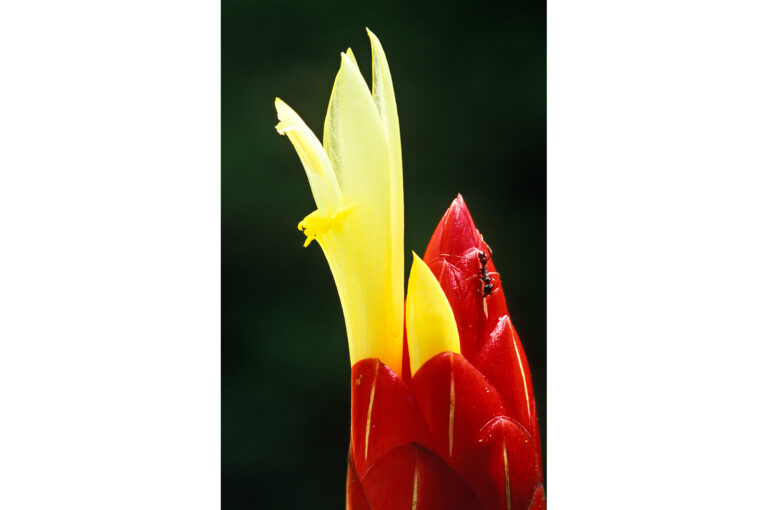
x=485 y=278
x=487 y=285
x=484 y=275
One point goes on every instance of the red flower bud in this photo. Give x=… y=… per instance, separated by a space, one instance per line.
x=462 y=433
x=488 y=338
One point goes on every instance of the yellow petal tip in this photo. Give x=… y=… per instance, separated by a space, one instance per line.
x=429 y=318
x=352 y=57
x=280 y=107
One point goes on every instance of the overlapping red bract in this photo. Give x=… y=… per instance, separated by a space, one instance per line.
x=461 y=433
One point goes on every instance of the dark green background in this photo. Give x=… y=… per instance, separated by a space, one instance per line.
x=470 y=81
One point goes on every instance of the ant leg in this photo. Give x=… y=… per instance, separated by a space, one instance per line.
x=478 y=275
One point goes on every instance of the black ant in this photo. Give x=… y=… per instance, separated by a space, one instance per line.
x=485 y=278
x=487 y=285
x=484 y=275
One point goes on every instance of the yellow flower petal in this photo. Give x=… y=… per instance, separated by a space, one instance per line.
x=429 y=318
x=384 y=98
x=356 y=144
x=352 y=57
x=322 y=180
x=360 y=228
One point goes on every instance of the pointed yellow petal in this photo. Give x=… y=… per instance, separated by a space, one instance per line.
x=318 y=167
x=352 y=57
x=353 y=136
x=384 y=98
x=429 y=318
x=361 y=248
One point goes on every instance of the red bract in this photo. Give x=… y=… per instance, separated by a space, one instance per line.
x=461 y=433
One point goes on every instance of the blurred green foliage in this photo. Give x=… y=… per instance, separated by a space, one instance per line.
x=470 y=80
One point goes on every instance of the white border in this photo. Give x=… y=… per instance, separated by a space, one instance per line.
x=109 y=255
x=109 y=268
x=658 y=254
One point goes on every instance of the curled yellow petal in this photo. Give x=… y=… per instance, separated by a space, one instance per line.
x=322 y=179
x=429 y=318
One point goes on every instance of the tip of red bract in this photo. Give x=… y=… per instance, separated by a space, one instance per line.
x=455 y=234
x=455 y=255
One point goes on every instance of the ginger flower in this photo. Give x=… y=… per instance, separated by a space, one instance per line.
x=443 y=415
